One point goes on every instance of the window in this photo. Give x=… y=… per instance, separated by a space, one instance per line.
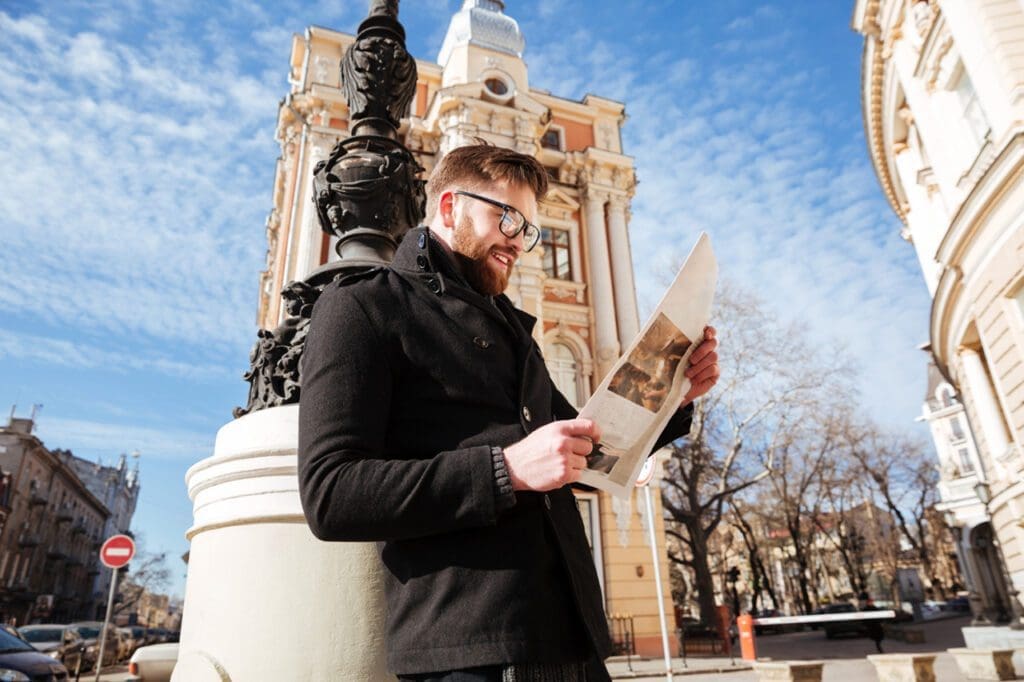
x=551 y=139
x=497 y=86
x=557 y=261
x=970 y=108
x=958 y=430
x=966 y=465
x=564 y=371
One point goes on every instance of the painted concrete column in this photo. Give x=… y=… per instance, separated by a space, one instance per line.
x=264 y=599
x=602 y=293
x=985 y=403
x=627 y=316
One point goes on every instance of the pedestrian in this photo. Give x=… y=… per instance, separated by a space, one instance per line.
x=429 y=424
x=873 y=627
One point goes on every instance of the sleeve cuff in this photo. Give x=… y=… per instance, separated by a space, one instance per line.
x=504 y=497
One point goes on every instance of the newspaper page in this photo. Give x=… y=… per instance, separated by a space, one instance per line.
x=644 y=388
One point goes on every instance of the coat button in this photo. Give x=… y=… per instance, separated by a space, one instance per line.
x=547 y=502
x=483 y=343
x=434 y=285
x=526 y=413
x=421 y=261
x=422 y=241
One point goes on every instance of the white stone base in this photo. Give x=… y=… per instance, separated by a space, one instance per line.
x=264 y=599
x=904 y=667
x=985 y=664
x=789 y=671
x=996 y=637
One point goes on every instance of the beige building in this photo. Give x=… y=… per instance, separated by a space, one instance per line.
x=579 y=284
x=49 y=547
x=943 y=100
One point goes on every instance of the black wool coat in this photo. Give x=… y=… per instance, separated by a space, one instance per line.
x=408 y=378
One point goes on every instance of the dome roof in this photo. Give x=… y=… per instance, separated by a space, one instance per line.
x=483 y=23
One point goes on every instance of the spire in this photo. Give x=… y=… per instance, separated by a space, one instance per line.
x=482 y=23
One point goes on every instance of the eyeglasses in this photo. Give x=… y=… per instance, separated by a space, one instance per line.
x=512 y=221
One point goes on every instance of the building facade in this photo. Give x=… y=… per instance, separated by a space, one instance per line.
x=579 y=283
x=49 y=546
x=943 y=101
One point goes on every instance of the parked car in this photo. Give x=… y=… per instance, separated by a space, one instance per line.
x=958 y=605
x=768 y=629
x=124 y=643
x=834 y=628
x=90 y=631
x=19 y=660
x=139 y=637
x=153 y=663
x=62 y=642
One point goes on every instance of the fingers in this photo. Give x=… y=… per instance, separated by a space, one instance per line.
x=706 y=348
x=695 y=368
x=580 y=446
x=582 y=428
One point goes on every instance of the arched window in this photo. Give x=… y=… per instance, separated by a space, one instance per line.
x=565 y=371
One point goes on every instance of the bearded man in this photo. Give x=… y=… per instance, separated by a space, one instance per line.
x=429 y=423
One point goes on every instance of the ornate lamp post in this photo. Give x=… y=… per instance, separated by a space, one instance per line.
x=973 y=598
x=984 y=493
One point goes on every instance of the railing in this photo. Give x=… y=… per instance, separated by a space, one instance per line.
x=623 y=638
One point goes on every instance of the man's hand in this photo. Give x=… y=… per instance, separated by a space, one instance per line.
x=703 y=371
x=551 y=456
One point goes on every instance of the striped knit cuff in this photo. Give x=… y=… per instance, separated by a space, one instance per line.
x=504 y=498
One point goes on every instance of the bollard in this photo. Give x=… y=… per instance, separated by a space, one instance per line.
x=748 y=648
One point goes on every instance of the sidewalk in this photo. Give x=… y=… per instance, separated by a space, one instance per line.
x=622 y=669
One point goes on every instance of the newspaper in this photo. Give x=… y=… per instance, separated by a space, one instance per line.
x=643 y=390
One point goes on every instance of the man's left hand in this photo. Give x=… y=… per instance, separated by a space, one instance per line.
x=703 y=371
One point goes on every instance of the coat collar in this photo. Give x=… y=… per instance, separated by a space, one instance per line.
x=422 y=259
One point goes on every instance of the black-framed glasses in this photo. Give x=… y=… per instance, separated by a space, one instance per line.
x=512 y=221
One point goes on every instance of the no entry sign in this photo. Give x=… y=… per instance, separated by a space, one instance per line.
x=117 y=551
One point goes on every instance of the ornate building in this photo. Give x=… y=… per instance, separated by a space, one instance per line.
x=943 y=101
x=579 y=284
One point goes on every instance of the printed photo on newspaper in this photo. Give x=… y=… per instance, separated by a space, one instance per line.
x=644 y=388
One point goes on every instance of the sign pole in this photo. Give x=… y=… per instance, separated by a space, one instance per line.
x=106 y=622
x=657 y=581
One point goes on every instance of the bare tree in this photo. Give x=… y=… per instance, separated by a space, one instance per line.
x=733 y=441
x=760 y=578
x=146 y=573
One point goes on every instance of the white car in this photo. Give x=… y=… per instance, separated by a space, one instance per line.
x=153 y=663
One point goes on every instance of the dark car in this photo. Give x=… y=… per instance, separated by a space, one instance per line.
x=61 y=642
x=20 y=661
x=834 y=628
x=768 y=629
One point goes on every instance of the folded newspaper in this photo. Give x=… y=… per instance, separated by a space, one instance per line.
x=644 y=388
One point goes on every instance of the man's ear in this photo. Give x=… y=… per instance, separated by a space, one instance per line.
x=446 y=208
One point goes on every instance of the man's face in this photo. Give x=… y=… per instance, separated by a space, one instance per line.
x=485 y=255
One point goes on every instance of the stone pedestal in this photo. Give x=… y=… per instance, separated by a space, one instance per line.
x=996 y=637
x=264 y=599
x=789 y=671
x=985 y=664
x=904 y=667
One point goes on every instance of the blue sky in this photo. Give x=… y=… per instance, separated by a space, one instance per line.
x=137 y=158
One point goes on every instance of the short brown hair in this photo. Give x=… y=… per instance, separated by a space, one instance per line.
x=474 y=166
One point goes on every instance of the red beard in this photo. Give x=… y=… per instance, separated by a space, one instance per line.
x=476 y=260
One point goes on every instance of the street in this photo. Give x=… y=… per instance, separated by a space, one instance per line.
x=845 y=658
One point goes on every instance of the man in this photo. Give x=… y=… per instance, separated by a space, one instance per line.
x=430 y=424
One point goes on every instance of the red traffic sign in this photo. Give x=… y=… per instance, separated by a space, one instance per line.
x=117 y=551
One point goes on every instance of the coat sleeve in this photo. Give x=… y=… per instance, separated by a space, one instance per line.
x=349 y=490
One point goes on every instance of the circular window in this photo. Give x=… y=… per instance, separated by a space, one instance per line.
x=496 y=86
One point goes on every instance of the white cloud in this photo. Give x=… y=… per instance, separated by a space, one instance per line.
x=92 y=436
x=89 y=58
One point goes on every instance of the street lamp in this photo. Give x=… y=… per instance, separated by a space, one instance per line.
x=973 y=598
x=984 y=493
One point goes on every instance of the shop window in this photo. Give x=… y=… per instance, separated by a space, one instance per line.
x=557 y=255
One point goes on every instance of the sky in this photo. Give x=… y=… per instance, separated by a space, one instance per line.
x=137 y=159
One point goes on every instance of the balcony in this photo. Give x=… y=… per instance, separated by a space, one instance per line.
x=56 y=555
x=64 y=514
x=28 y=540
x=79 y=528
x=958 y=490
x=37 y=498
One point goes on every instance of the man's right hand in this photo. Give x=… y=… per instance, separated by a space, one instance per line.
x=551 y=456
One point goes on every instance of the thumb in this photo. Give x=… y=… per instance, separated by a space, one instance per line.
x=583 y=428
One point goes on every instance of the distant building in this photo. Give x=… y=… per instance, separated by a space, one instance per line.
x=49 y=546
x=578 y=283
x=943 y=101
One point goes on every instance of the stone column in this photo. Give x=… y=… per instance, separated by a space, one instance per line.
x=602 y=292
x=265 y=600
x=986 y=404
x=622 y=270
